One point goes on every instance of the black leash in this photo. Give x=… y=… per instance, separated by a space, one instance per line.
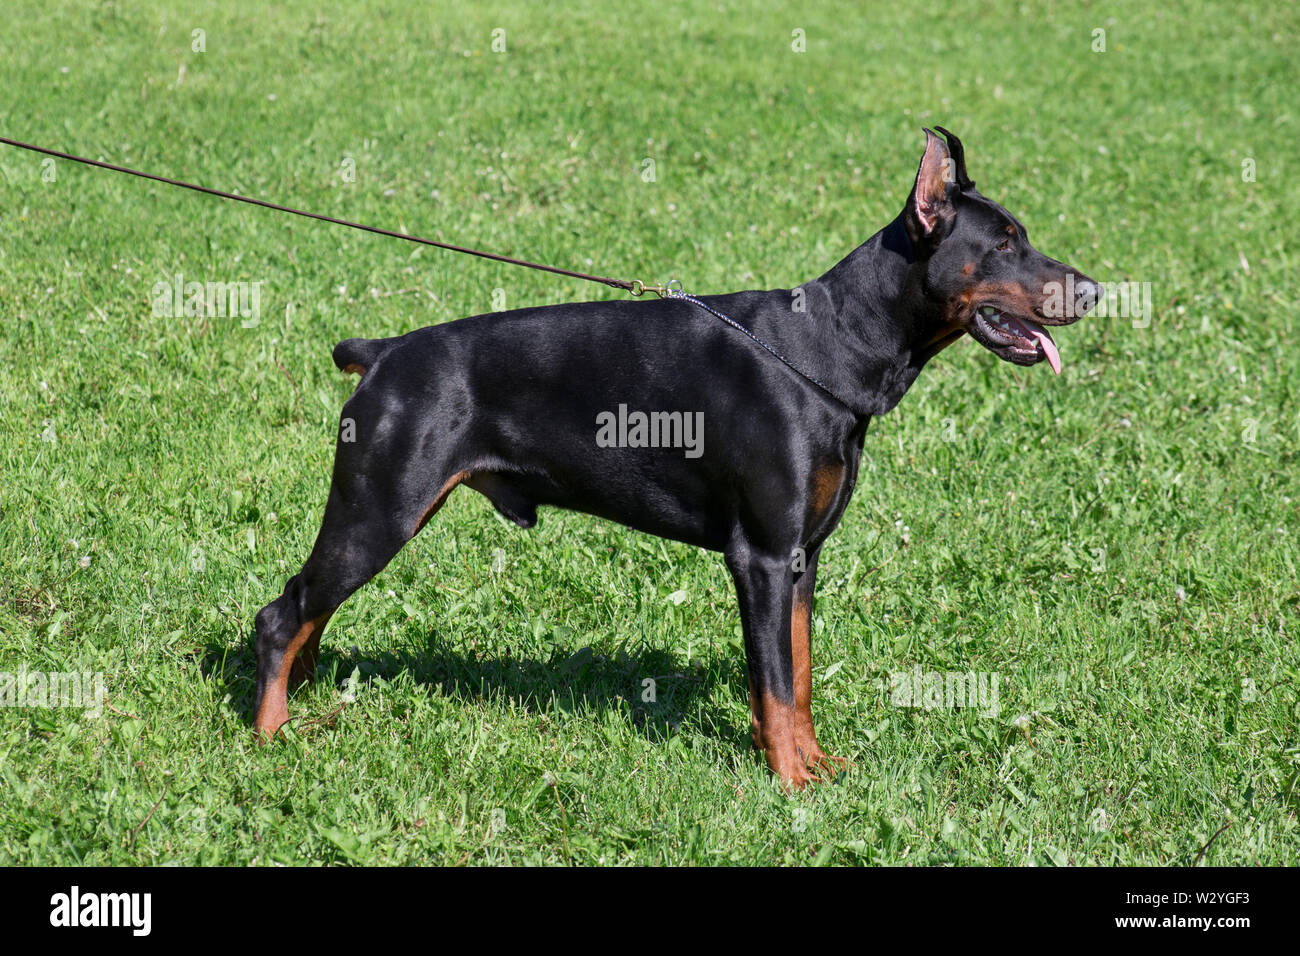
x=635 y=286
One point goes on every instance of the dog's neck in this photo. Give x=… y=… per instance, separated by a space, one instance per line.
x=883 y=332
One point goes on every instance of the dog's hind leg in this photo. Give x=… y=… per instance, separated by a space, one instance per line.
x=370 y=515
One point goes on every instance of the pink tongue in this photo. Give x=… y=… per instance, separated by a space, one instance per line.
x=1042 y=338
x=1048 y=347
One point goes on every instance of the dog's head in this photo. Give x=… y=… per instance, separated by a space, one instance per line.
x=975 y=269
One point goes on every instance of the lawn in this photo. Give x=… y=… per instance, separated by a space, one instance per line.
x=1118 y=545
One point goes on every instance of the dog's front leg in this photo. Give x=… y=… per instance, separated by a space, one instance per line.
x=764 y=585
x=805 y=737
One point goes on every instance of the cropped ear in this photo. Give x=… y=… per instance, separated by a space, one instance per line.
x=931 y=199
x=958 y=154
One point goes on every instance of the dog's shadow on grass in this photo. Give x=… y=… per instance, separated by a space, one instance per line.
x=654 y=691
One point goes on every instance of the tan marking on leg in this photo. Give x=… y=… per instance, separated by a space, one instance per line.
x=432 y=510
x=805 y=737
x=304 y=665
x=826 y=482
x=274 y=710
x=776 y=731
x=801 y=654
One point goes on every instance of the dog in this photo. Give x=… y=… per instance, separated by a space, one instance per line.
x=529 y=408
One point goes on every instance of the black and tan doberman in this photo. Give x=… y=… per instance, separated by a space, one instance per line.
x=667 y=418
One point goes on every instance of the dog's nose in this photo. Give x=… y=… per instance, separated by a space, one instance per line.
x=1086 y=293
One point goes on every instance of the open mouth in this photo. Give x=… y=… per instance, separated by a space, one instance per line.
x=1014 y=339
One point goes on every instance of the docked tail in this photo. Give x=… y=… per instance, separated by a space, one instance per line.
x=357 y=355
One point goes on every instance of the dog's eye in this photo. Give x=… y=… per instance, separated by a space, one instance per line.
x=1004 y=246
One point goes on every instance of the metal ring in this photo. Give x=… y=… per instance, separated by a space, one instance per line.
x=638 y=287
x=668 y=287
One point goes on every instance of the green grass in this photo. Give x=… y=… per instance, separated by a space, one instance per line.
x=1118 y=544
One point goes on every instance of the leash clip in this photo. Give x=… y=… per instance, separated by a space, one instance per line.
x=639 y=288
x=672 y=288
